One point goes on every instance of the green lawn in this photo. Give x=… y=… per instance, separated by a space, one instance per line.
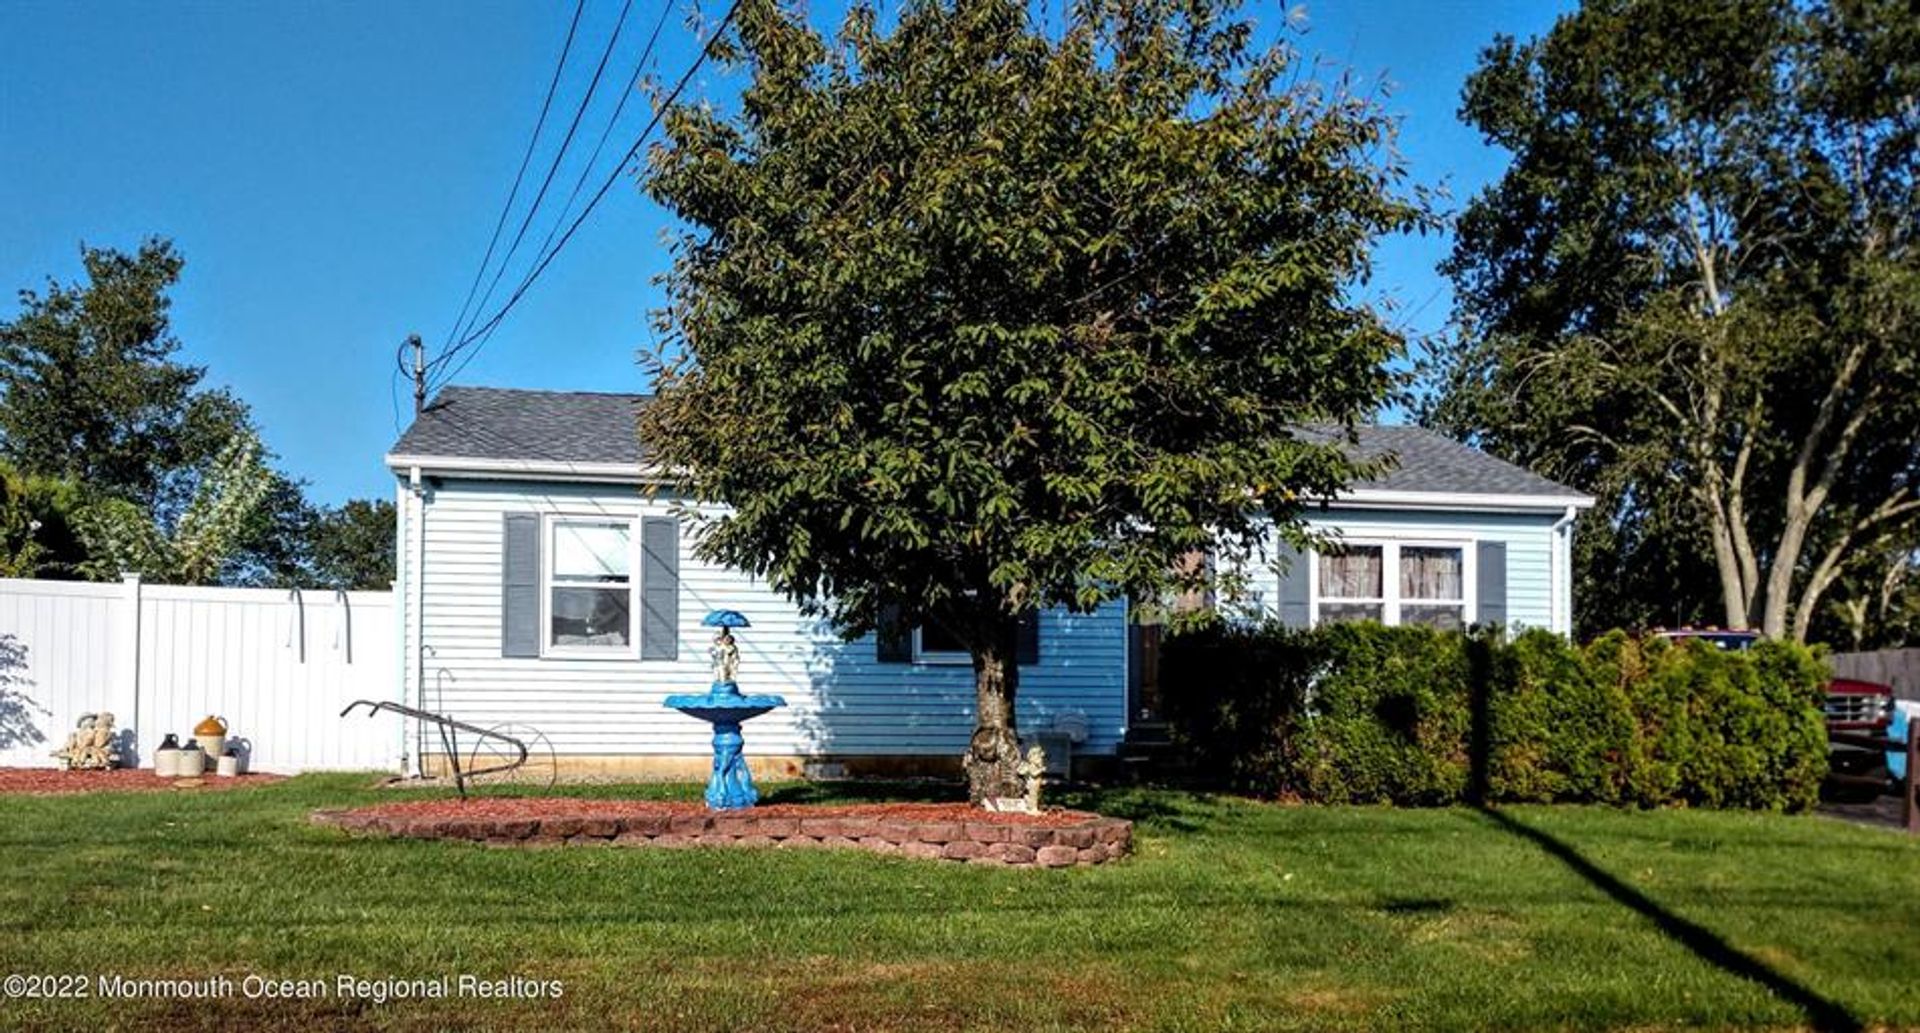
x=1231 y=915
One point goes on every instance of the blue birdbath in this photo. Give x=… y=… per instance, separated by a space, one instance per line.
x=725 y=708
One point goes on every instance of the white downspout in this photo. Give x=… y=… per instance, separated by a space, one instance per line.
x=416 y=579
x=1561 y=597
x=401 y=600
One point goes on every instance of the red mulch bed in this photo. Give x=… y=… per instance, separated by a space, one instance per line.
x=518 y=807
x=53 y=781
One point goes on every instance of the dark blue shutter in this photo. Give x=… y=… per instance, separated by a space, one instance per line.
x=1295 y=603
x=1026 y=648
x=1490 y=583
x=520 y=585
x=659 y=588
x=892 y=639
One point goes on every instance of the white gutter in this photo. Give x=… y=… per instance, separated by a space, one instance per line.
x=522 y=469
x=485 y=468
x=1559 y=568
x=1462 y=500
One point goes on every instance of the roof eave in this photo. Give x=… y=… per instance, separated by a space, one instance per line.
x=1460 y=501
x=484 y=468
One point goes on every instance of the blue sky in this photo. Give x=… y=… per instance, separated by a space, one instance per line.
x=332 y=173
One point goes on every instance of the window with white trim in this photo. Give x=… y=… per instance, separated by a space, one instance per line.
x=1394 y=583
x=1353 y=584
x=1433 y=588
x=589 y=586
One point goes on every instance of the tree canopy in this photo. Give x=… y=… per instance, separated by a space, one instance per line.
x=974 y=320
x=119 y=459
x=1694 y=293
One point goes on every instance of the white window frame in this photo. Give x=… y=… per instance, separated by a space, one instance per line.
x=922 y=655
x=1390 y=601
x=549 y=525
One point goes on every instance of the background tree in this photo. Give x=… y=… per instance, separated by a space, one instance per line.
x=91 y=391
x=973 y=321
x=37 y=536
x=352 y=546
x=91 y=396
x=1694 y=293
x=122 y=538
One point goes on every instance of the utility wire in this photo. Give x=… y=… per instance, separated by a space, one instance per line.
x=586 y=170
x=539 y=124
x=553 y=168
x=486 y=329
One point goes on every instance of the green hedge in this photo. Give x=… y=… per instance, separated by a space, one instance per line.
x=1359 y=713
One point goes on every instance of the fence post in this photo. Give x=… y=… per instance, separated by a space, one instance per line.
x=126 y=659
x=1910 y=804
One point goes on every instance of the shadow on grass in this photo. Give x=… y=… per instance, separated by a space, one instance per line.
x=1822 y=1014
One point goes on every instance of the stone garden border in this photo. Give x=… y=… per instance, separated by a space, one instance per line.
x=1092 y=840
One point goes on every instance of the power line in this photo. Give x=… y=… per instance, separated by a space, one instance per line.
x=486 y=329
x=633 y=86
x=559 y=157
x=580 y=181
x=526 y=159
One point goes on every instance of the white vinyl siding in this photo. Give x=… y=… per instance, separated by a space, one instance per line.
x=841 y=700
x=1529 y=540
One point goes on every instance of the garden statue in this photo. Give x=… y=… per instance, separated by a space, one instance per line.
x=726 y=709
x=1032 y=774
x=726 y=658
x=91 y=744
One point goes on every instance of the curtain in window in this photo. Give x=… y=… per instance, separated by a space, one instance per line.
x=1357 y=572
x=1430 y=573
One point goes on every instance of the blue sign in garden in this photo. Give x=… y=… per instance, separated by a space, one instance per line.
x=726 y=708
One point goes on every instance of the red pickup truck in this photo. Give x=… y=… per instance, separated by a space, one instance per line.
x=1852 y=705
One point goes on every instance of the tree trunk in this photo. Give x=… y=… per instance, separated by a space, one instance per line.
x=994 y=753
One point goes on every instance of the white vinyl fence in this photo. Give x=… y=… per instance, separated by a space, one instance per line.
x=277 y=665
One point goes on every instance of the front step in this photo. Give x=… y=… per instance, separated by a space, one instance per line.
x=1149 y=754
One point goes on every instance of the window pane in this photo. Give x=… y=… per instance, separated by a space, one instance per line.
x=1427 y=572
x=591 y=617
x=1446 y=618
x=935 y=638
x=592 y=552
x=1350 y=611
x=1355 y=572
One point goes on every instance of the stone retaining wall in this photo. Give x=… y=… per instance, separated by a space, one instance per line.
x=1095 y=840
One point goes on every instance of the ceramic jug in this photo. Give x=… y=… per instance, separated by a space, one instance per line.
x=190 y=762
x=166 y=758
x=212 y=735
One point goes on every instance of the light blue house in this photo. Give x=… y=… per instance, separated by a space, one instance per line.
x=539 y=586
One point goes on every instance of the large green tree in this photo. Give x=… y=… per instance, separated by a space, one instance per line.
x=1694 y=292
x=352 y=545
x=90 y=390
x=92 y=397
x=975 y=319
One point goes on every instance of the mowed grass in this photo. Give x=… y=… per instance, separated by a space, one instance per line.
x=1231 y=915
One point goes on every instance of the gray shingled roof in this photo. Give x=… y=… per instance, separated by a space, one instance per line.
x=529 y=426
x=591 y=427
x=1429 y=461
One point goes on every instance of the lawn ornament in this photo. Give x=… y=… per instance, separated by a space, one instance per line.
x=726 y=708
x=90 y=746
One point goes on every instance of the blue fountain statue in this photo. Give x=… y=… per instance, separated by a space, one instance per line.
x=722 y=706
